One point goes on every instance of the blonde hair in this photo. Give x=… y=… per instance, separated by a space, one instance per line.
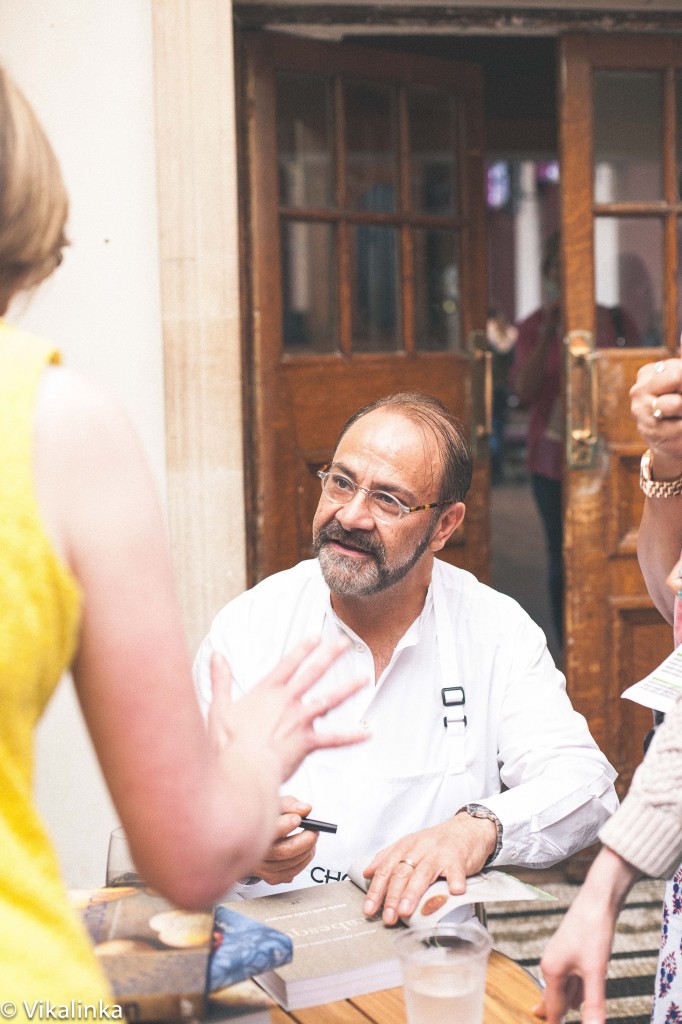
x=33 y=200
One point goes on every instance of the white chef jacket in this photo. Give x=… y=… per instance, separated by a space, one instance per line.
x=509 y=722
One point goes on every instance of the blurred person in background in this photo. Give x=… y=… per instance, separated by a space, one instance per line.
x=501 y=337
x=536 y=378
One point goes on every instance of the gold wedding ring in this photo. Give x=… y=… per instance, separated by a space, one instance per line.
x=406 y=860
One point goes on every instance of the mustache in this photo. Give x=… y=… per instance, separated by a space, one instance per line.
x=358 y=539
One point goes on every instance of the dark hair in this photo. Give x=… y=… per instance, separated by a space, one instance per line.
x=446 y=428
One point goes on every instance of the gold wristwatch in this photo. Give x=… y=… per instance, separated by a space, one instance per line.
x=656 y=488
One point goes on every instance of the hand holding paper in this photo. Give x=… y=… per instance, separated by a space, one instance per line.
x=662 y=687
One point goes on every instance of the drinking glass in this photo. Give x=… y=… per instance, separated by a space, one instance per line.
x=120 y=867
x=444 y=968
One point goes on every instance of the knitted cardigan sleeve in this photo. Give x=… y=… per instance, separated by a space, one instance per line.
x=647 y=828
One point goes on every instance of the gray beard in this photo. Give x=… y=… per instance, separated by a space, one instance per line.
x=345 y=577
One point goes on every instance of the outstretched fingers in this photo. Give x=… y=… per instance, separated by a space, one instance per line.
x=287 y=668
x=219 y=712
x=313 y=666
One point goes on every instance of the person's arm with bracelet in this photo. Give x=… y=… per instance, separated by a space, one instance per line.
x=643 y=837
x=656 y=404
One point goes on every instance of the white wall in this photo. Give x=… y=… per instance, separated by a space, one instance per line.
x=86 y=66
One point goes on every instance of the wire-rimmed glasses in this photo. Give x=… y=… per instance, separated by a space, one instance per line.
x=383 y=506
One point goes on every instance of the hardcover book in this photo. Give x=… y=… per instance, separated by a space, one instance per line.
x=161 y=961
x=154 y=955
x=337 y=951
x=243 y=947
x=243 y=1003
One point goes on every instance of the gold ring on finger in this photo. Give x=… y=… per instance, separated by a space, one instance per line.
x=406 y=860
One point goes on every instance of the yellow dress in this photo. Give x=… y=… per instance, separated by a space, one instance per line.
x=45 y=955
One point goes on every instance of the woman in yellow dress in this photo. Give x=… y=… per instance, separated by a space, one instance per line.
x=86 y=583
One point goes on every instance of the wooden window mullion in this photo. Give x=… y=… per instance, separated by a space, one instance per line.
x=342 y=238
x=670 y=191
x=406 y=238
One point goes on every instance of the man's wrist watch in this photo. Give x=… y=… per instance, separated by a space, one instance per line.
x=656 y=488
x=481 y=811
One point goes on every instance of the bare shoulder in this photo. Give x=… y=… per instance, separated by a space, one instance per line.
x=73 y=410
x=88 y=460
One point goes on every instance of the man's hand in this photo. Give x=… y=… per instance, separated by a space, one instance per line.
x=288 y=855
x=454 y=850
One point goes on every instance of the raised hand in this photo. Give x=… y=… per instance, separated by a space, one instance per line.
x=575 y=962
x=273 y=715
x=656 y=405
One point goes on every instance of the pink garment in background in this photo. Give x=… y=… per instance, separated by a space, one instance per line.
x=544 y=441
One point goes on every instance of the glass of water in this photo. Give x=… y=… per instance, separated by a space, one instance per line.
x=444 y=969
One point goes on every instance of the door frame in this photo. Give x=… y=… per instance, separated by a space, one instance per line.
x=266 y=403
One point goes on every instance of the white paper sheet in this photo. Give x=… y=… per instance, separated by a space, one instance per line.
x=662 y=687
x=437 y=902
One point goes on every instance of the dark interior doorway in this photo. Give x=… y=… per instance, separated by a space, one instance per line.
x=523 y=191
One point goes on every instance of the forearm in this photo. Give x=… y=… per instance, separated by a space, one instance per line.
x=546 y=819
x=609 y=880
x=659 y=542
x=647 y=830
x=575 y=962
x=199 y=820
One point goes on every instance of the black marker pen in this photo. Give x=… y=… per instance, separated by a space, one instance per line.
x=317 y=826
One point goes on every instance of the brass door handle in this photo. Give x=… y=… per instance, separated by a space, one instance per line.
x=582 y=392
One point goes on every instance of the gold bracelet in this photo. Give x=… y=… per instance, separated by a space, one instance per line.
x=656 y=488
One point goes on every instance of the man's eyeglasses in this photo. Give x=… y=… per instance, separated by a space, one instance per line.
x=384 y=507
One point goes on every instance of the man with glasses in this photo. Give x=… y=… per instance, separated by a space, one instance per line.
x=476 y=754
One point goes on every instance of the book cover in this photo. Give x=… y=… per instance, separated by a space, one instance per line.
x=243 y=1003
x=154 y=955
x=243 y=947
x=337 y=951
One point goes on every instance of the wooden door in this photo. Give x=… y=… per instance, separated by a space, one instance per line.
x=363 y=238
x=621 y=157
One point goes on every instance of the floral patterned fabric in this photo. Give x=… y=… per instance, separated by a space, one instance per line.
x=668 y=994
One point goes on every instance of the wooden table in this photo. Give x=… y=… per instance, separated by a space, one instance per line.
x=510 y=995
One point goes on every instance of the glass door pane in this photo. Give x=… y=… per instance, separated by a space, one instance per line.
x=437 y=308
x=376 y=321
x=309 y=291
x=433 y=167
x=628 y=136
x=628 y=260
x=371 y=147
x=304 y=140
